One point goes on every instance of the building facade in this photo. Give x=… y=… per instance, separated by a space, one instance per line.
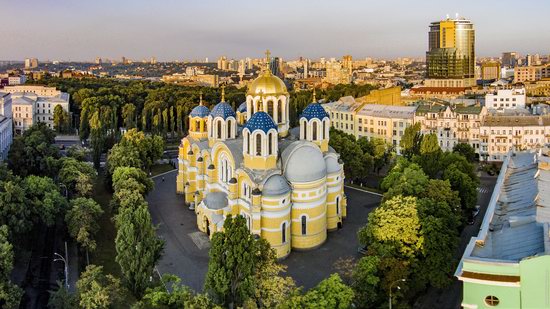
x=287 y=184
x=502 y=133
x=450 y=59
x=531 y=73
x=507 y=265
x=35 y=104
x=6 y=124
x=506 y=99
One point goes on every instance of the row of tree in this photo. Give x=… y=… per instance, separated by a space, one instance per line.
x=31 y=199
x=413 y=235
x=158 y=107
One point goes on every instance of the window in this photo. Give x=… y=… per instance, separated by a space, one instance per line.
x=219 y=125
x=283 y=233
x=270 y=142
x=492 y=301
x=338 y=205
x=258 y=144
x=304 y=225
x=314 y=130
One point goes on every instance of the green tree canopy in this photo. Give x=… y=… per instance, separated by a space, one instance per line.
x=97 y=290
x=123 y=176
x=44 y=199
x=466 y=151
x=82 y=221
x=10 y=294
x=410 y=141
x=138 y=247
x=330 y=293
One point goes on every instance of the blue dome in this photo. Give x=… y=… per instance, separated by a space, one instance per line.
x=242 y=108
x=262 y=121
x=200 y=111
x=314 y=110
x=223 y=110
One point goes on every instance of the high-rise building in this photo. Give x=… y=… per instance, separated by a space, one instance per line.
x=509 y=59
x=490 y=70
x=31 y=63
x=450 y=58
x=347 y=63
x=98 y=60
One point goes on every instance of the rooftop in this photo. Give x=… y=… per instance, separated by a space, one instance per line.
x=387 y=111
x=518 y=214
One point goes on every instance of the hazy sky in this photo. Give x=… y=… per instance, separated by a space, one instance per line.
x=184 y=29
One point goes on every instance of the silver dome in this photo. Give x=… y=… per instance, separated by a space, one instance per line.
x=332 y=165
x=303 y=162
x=216 y=200
x=275 y=185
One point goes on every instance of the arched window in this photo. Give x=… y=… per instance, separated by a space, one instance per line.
x=304 y=225
x=283 y=232
x=245 y=142
x=219 y=126
x=270 y=143
x=314 y=130
x=304 y=129
x=324 y=133
x=258 y=144
x=338 y=205
x=270 y=108
x=229 y=129
x=280 y=111
x=197 y=125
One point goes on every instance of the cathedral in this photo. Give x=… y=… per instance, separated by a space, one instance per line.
x=287 y=183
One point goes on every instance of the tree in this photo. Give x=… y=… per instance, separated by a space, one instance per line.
x=231 y=279
x=96 y=290
x=411 y=182
x=330 y=293
x=77 y=152
x=129 y=115
x=160 y=297
x=14 y=209
x=466 y=151
x=97 y=129
x=10 y=294
x=138 y=247
x=464 y=185
x=123 y=176
x=34 y=153
x=410 y=141
x=61 y=119
x=62 y=298
x=77 y=176
x=366 y=282
x=430 y=155
x=44 y=199
x=82 y=221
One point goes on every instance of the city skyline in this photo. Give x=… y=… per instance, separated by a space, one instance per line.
x=169 y=30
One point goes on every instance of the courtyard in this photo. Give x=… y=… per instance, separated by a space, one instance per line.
x=186 y=249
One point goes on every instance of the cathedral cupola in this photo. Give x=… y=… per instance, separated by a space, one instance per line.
x=270 y=91
x=315 y=124
x=260 y=143
x=222 y=122
x=197 y=120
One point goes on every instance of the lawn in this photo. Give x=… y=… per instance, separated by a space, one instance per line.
x=158 y=169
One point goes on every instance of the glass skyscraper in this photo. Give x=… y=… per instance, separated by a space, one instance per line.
x=450 y=58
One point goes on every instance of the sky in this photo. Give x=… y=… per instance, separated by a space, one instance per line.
x=80 y=30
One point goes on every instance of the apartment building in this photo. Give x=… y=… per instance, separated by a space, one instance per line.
x=342 y=114
x=384 y=121
x=42 y=91
x=506 y=99
x=531 y=73
x=502 y=133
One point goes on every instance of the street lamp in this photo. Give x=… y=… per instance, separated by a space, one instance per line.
x=61 y=258
x=398 y=287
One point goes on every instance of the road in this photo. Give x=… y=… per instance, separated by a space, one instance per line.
x=186 y=250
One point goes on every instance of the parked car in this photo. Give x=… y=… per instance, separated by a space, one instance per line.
x=473 y=215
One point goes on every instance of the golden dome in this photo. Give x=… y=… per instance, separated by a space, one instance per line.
x=267 y=84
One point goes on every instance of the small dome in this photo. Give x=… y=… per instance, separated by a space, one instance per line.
x=332 y=165
x=314 y=110
x=222 y=110
x=216 y=200
x=267 y=84
x=242 y=108
x=260 y=121
x=200 y=111
x=303 y=162
x=275 y=185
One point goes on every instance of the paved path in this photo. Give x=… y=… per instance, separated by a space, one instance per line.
x=186 y=250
